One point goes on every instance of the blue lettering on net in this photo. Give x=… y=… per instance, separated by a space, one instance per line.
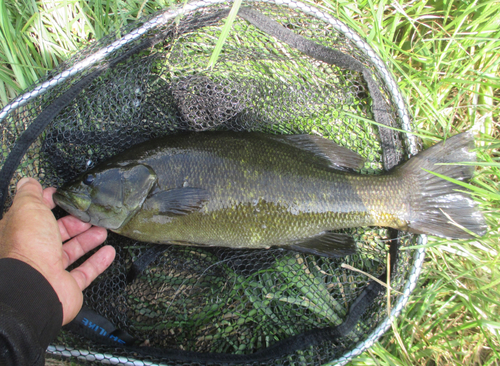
x=101 y=331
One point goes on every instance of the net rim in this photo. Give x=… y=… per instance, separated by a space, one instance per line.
x=171 y=13
x=411 y=283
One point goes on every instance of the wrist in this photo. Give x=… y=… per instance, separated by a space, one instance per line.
x=45 y=272
x=30 y=294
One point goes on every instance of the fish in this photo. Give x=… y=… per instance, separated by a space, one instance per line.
x=258 y=190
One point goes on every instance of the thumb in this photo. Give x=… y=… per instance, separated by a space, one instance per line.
x=28 y=189
x=22 y=182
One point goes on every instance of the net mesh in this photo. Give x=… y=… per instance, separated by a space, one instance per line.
x=217 y=300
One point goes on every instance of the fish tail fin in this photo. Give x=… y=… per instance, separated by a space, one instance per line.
x=440 y=207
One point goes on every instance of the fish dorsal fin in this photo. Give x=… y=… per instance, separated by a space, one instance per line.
x=326 y=151
x=174 y=202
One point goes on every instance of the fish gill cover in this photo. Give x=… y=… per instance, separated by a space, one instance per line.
x=284 y=69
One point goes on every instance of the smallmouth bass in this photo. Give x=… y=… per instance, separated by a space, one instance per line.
x=255 y=190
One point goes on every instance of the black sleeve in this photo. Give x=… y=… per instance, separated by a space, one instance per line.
x=30 y=314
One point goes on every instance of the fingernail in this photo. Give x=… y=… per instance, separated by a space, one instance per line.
x=22 y=182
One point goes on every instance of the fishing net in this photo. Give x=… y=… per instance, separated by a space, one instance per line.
x=285 y=68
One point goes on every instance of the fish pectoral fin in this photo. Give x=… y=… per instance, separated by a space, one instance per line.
x=180 y=201
x=327 y=244
x=328 y=152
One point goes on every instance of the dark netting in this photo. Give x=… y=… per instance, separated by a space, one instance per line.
x=220 y=301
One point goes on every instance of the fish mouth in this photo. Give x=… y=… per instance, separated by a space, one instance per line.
x=70 y=204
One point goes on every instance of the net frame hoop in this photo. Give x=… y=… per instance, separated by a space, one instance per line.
x=172 y=13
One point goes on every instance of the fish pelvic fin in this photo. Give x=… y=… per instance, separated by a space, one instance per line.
x=440 y=207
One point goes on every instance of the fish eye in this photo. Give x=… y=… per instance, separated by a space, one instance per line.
x=89 y=178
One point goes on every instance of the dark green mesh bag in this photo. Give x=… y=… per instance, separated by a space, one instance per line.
x=285 y=68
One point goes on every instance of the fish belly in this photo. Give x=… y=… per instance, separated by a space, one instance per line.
x=280 y=216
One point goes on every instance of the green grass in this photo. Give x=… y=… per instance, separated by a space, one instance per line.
x=445 y=56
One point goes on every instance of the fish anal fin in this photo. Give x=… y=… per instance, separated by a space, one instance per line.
x=327 y=244
x=332 y=154
x=174 y=202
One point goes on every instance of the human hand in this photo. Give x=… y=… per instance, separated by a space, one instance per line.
x=29 y=232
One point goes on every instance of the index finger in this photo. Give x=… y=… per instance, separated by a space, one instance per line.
x=70 y=226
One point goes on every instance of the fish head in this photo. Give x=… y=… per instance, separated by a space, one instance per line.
x=108 y=196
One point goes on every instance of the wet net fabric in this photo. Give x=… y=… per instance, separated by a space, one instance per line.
x=188 y=301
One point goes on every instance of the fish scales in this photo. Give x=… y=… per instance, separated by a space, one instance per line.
x=251 y=190
x=269 y=193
